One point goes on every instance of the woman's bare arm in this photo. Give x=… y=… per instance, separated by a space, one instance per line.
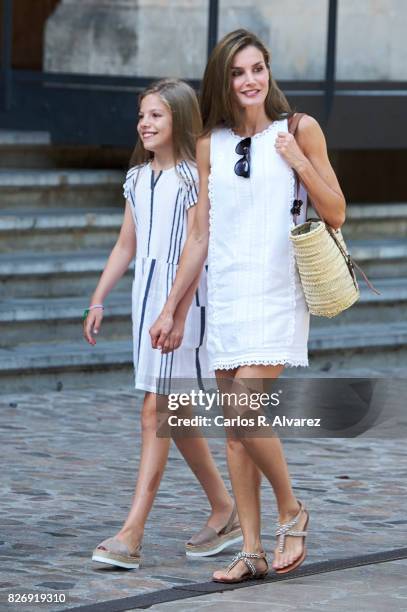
x=308 y=155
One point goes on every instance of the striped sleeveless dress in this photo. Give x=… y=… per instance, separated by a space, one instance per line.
x=159 y=205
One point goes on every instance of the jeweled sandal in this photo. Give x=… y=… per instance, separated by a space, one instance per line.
x=285 y=529
x=210 y=542
x=251 y=574
x=115 y=552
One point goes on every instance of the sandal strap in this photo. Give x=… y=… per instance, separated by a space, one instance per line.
x=232 y=523
x=291 y=533
x=246 y=557
x=115 y=546
x=284 y=529
x=294 y=521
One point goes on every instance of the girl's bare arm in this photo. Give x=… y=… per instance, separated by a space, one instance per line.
x=193 y=255
x=118 y=262
x=174 y=338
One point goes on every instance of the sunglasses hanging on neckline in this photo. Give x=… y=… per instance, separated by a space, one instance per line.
x=242 y=166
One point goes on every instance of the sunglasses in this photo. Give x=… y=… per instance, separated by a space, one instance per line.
x=242 y=166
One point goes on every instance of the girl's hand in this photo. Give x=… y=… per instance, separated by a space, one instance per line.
x=91 y=324
x=174 y=338
x=289 y=150
x=160 y=329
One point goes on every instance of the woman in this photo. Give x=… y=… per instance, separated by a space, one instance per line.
x=257 y=316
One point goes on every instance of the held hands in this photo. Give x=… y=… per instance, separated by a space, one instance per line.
x=91 y=324
x=167 y=332
x=288 y=148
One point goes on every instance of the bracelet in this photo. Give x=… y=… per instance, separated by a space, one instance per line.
x=86 y=311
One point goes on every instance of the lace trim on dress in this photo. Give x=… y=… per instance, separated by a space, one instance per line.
x=235 y=363
x=211 y=255
x=258 y=134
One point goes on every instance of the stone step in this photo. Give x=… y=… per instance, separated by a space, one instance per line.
x=53 y=366
x=20 y=149
x=368 y=345
x=54 y=275
x=66 y=365
x=28 y=320
x=56 y=229
x=390 y=305
x=22 y=138
x=36 y=189
x=98 y=228
x=380 y=258
x=375 y=221
x=32 y=274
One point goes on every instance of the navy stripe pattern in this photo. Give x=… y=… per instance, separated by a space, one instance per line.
x=153 y=183
x=143 y=310
x=191 y=192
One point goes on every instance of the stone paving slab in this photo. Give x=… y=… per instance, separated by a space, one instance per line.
x=70 y=460
x=372 y=588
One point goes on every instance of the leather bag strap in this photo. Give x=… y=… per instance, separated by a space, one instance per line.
x=293 y=122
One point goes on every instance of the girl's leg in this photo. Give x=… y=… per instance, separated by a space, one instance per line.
x=154 y=455
x=198 y=456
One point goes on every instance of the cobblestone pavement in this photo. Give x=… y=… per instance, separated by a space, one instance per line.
x=69 y=464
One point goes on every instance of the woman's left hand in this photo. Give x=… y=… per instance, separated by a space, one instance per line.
x=288 y=148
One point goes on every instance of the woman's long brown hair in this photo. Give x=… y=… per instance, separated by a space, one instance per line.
x=217 y=103
x=186 y=120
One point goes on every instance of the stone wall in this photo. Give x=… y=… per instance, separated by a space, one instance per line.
x=168 y=38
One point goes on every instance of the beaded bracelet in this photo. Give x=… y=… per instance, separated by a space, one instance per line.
x=86 y=311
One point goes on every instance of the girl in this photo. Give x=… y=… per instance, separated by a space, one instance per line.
x=257 y=316
x=161 y=193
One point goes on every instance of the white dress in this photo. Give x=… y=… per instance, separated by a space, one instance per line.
x=257 y=312
x=159 y=205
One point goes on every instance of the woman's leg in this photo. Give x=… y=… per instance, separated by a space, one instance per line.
x=246 y=478
x=154 y=455
x=268 y=455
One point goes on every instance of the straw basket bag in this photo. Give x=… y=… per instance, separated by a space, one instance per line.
x=326 y=269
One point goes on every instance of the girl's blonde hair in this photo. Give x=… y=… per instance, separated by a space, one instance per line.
x=182 y=101
x=218 y=107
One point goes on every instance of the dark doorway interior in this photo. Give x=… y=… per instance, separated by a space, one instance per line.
x=29 y=19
